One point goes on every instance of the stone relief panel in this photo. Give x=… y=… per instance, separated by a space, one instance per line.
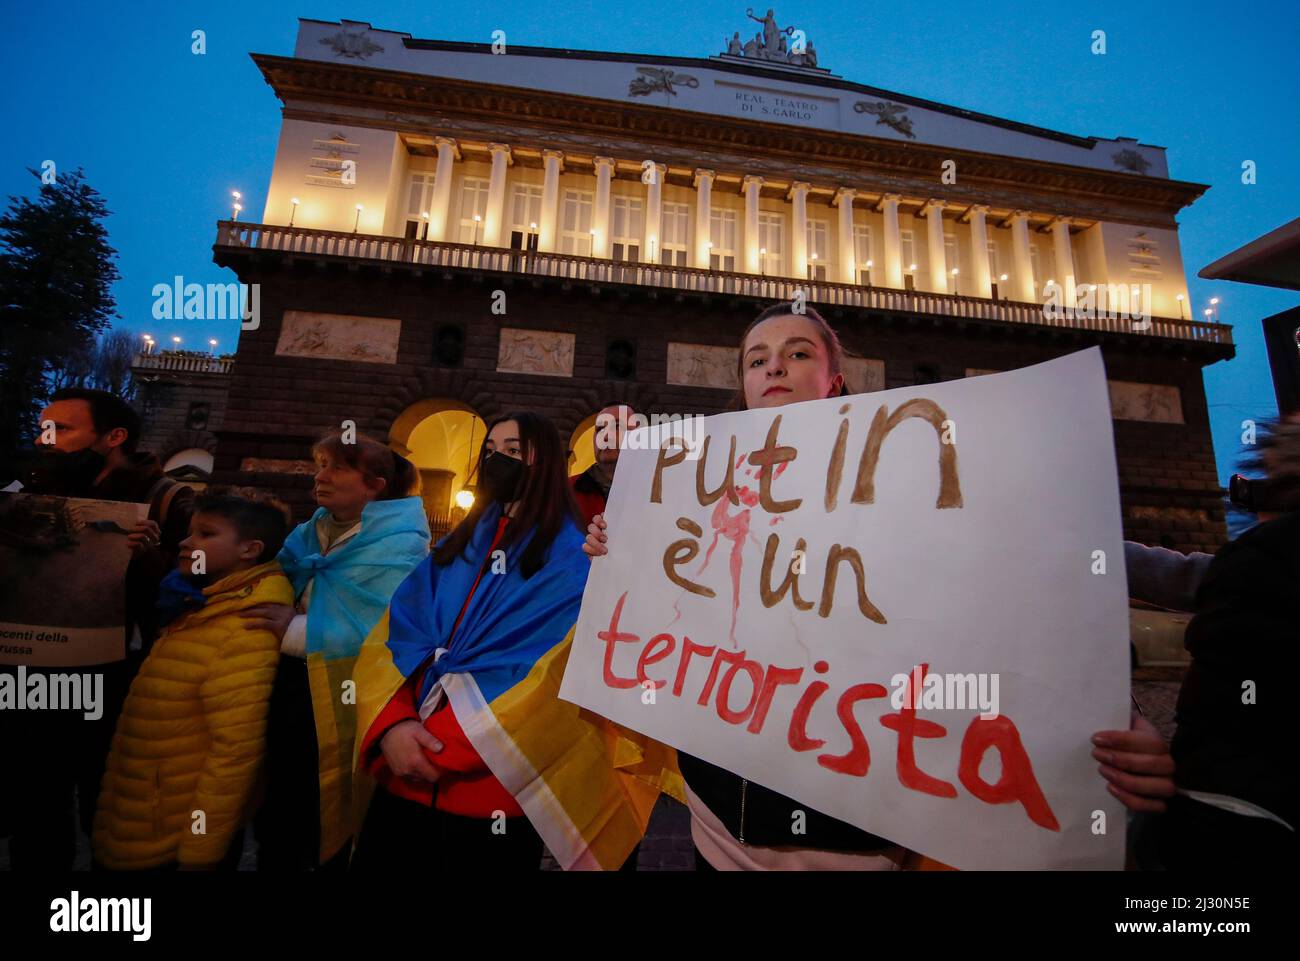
x=545 y=352
x=698 y=365
x=276 y=465
x=863 y=375
x=1160 y=403
x=372 y=340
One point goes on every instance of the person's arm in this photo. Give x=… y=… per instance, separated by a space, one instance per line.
x=400 y=707
x=457 y=753
x=236 y=696
x=295 y=637
x=1163 y=577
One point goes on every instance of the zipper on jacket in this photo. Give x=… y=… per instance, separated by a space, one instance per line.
x=744 y=789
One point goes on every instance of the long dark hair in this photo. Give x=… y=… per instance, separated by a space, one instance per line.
x=544 y=504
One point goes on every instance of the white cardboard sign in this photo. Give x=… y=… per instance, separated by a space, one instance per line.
x=955 y=543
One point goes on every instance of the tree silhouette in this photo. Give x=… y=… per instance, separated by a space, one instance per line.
x=56 y=275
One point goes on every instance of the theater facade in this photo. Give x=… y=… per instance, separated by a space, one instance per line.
x=455 y=230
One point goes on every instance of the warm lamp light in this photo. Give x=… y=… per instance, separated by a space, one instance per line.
x=464 y=499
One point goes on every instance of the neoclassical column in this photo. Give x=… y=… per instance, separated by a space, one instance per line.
x=1064 y=257
x=798 y=198
x=752 y=188
x=893 y=242
x=979 y=256
x=848 y=256
x=496 y=198
x=703 y=206
x=1023 y=282
x=553 y=163
x=654 y=208
x=933 y=211
x=448 y=154
x=600 y=209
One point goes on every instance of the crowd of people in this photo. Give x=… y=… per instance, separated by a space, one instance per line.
x=310 y=681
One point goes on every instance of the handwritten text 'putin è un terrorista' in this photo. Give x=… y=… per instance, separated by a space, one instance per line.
x=1017 y=783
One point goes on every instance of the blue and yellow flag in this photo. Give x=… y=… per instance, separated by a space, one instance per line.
x=351 y=587
x=586 y=785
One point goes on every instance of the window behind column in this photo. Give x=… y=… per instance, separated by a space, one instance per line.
x=722 y=234
x=862 y=253
x=575 y=223
x=525 y=214
x=674 y=225
x=907 y=252
x=473 y=202
x=771 y=238
x=626 y=228
x=818 y=249
x=419 y=196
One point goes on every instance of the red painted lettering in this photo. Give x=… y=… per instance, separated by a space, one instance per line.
x=858 y=760
x=909 y=726
x=1017 y=782
x=611 y=637
x=775 y=677
x=797 y=734
x=651 y=656
x=689 y=647
x=755 y=672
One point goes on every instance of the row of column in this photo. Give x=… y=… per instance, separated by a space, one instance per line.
x=941 y=279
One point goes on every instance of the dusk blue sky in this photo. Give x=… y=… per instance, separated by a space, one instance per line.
x=165 y=135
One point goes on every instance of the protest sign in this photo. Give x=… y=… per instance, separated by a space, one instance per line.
x=62 y=579
x=905 y=609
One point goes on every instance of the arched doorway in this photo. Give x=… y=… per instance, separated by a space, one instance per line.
x=442 y=439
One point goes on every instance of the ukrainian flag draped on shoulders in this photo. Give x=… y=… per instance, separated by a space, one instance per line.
x=586 y=785
x=350 y=588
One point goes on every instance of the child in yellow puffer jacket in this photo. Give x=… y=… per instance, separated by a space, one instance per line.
x=189 y=743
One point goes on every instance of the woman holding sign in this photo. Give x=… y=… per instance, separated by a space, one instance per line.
x=785 y=358
x=477 y=760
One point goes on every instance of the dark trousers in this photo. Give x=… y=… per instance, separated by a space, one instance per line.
x=287 y=826
x=400 y=836
x=53 y=762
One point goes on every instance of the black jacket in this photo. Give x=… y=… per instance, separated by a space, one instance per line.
x=1245 y=632
x=753 y=814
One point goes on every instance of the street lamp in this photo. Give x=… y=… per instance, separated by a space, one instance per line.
x=1214 y=302
x=955 y=289
x=356 y=222
x=294 y=212
x=213 y=344
x=762 y=260
x=532 y=236
x=148 y=344
x=425 y=217
x=1182 y=311
x=234 y=214
x=478 y=219
x=177 y=342
x=812 y=267
x=653 y=241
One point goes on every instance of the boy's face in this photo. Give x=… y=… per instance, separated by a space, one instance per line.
x=224 y=551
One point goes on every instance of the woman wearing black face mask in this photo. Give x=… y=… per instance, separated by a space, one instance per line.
x=476 y=758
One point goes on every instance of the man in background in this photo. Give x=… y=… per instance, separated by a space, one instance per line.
x=86 y=448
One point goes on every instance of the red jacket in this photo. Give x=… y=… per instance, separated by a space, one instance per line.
x=589 y=495
x=465 y=786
